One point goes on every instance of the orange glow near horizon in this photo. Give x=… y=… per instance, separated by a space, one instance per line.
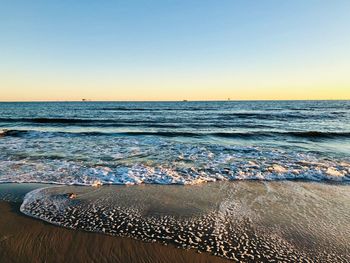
x=168 y=88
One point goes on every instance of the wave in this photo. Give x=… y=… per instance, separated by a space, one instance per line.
x=48 y=158
x=137 y=174
x=92 y=122
x=210 y=118
x=283 y=116
x=243 y=135
x=318 y=134
x=110 y=123
x=302 y=134
x=19 y=133
x=55 y=120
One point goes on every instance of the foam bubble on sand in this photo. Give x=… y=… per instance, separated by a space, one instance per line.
x=279 y=168
x=202 y=232
x=332 y=171
x=96 y=183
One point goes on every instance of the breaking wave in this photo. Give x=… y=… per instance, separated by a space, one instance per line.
x=248 y=135
x=91 y=159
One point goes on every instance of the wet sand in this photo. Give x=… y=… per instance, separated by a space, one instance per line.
x=23 y=239
x=243 y=221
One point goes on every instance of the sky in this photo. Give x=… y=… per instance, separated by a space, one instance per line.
x=173 y=50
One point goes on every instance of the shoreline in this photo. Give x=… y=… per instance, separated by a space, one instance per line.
x=26 y=239
x=241 y=220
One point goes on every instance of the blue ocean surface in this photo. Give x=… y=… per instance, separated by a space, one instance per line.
x=87 y=143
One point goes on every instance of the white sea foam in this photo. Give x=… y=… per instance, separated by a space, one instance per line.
x=65 y=160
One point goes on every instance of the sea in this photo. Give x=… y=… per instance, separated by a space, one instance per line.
x=187 y=142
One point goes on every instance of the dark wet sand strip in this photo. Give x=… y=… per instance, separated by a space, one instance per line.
x=23 y=239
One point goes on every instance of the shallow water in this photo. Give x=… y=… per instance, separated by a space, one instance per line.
x=174 y=142
x=241 y=220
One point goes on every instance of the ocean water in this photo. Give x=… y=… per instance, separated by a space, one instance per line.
x=89 y=143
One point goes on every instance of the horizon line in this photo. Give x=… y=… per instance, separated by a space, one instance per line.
x=184 y=100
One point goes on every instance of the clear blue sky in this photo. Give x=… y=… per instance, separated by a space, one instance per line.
x=60 y=49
